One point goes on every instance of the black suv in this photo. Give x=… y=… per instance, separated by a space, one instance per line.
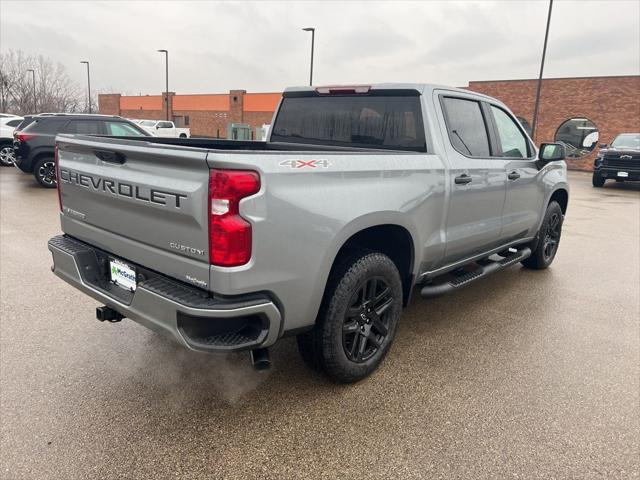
x=619 y=161
x=34 y=139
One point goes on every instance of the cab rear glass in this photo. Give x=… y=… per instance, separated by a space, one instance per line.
x=392 y=122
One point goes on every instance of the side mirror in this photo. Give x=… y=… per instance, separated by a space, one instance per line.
x=157 y=127
x=603 y=145
x=550 y=152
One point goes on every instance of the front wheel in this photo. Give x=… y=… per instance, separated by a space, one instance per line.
x=597 y=180
x=45 y=172
x=548 y=239
x=357 y=320
x=7 y=155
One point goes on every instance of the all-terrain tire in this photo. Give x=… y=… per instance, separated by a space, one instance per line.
x=357 y=320
x=548 y=238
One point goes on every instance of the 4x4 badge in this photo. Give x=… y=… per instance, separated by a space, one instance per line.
x=322 y=163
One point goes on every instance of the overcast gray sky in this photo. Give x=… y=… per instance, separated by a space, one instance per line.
x=259 y=46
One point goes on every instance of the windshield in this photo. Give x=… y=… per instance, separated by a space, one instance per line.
x=386 y=121
x=148 y=123
x=627 y=140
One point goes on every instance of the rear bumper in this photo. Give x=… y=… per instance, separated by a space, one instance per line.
x=195 y=319
x=21 y=161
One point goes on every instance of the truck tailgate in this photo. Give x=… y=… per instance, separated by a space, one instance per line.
x=144 y=203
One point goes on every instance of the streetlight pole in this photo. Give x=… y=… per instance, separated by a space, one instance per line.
x=166 y=91
x=539 y=87
x=88 y=85
x=313 y=37
x=35 y=103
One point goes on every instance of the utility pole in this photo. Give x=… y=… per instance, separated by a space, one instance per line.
x=534 y=123
x=88 y=85
x=313 y=37
x=166 y=91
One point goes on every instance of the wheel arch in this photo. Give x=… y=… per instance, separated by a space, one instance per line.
x=39 y=155
x=394 y=238
x=560 y=195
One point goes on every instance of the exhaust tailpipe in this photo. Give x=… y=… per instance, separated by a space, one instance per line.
x=260 y=359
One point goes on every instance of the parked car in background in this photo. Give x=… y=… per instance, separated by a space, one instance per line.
x=163 y=128
x=34 y=142
x=8 y=123
x=358 y=195
x=619 y=161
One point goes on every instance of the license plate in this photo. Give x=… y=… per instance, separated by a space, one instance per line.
x=623 y=174
x=123 y=275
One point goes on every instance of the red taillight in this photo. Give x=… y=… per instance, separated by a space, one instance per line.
x=229 y=233
x=55 y=159
x=23 y=137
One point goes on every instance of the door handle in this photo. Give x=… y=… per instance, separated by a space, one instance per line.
x=462 y=179
x=513 y=175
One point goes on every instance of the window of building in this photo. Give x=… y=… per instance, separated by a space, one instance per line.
x=513 y=143
x=186 y=120
x=578 y=135
x=466 y=126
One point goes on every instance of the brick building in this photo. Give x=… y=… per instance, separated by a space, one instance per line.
x=608 y=105
x=207 y=114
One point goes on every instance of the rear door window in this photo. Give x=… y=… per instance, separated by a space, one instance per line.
x=13 y=123
x=122 y=129
x=87 y=127
x=366 y=121
x=466 y=126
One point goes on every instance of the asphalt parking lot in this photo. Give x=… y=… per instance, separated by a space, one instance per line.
x=526 y=375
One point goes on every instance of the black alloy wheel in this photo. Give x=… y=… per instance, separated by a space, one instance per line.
x=545 y=247
x=366 y=323
x=552 y=236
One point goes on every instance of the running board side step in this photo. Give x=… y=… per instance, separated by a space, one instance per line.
x=487 y=268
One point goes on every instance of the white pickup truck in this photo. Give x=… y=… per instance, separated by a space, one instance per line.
x=164 y=128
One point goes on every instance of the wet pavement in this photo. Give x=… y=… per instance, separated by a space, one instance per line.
x=523 y=375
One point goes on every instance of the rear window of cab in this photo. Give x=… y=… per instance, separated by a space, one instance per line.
x=392 y=122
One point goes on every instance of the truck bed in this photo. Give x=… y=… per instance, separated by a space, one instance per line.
x=222 y=144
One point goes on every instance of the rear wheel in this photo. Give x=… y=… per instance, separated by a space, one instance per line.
x=357 y=320
x=7 y=155
x=548 y=238
x=597 y=180
x=45 y=172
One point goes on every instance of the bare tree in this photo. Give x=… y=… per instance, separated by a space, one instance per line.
x=54 y=90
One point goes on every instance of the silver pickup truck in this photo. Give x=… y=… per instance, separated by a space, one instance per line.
x=359 y=195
